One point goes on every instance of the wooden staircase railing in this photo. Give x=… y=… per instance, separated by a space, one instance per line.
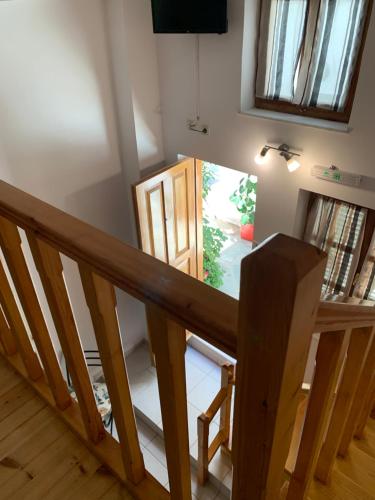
x=268 y=331
x=333 y=411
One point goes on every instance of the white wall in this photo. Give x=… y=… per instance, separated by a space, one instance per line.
x=58 y=130
x=234 y=139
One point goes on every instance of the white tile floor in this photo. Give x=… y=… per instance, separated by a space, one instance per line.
x=203 y=383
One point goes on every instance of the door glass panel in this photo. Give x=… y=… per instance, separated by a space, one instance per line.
x=181 y=213
x=156 y=213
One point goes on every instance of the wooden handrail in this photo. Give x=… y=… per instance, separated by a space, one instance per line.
x=278 y=311
x=202 y=310
x=335 y=316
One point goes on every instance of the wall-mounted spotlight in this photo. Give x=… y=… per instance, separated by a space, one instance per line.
x=284 y=150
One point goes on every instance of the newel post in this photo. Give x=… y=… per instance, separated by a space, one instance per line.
x=280 y=291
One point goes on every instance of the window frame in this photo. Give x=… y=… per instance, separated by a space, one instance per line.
x=286 y=107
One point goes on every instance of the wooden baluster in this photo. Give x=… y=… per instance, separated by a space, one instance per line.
x=280 y=290
x=6 y=337
x=101 y=300
x=203 y=435
x=227 y=374
x=11 y=246
x=366 y=410
x=50 y=269
x=14 y=319
x=359 y=397
x=373 y=409
x=329 y=359
x=169 y=344
x=359 y=340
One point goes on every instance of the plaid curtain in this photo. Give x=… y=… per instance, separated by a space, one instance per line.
x=365 y=286
x=337 y=228
x=308 y=50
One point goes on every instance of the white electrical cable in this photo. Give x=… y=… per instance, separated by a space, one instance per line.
x=197 y=80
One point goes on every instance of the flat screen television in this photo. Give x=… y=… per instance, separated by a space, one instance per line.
x=190 y=16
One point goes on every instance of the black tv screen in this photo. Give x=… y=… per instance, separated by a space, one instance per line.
x=190 y=16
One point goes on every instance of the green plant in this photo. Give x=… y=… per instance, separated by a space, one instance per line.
x=213 y=237
x=244 y=198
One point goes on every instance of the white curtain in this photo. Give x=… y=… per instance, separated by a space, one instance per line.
x=365 y=286
x=281 y=36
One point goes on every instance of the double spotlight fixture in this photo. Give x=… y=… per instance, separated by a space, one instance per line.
x=290 y=157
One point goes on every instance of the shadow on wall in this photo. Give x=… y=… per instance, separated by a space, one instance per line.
x=104 y=206
x=57 y=120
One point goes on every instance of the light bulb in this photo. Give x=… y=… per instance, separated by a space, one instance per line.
x=293 y=164
x=261 y=157
x=260 y=160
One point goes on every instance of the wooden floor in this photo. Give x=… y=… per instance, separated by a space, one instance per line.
x=40 y=458
x=353 y=477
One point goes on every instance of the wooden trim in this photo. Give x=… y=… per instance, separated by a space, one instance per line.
x=272 y=353
x=169 y=343
x=322 y=113
x=101 y=301
x=199 y=217
x=359 y=340
x=49 y=266
x=295 y=109
x=107 y=451
x=197 y=307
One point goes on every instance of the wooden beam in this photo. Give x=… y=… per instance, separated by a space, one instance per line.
x=11 y=246
x=329 y=359
x=355 y=359
x=280 y=289
x=17 y=326
x=101 y=300
x=50 y=269
x=169 y=343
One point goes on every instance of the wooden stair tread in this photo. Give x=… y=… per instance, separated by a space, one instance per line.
x=39 y=456
x=353 y=477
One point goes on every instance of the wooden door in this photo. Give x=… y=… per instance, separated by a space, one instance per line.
x=169 y=216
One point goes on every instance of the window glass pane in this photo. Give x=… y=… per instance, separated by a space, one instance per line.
x=336 y=45
x=341 y=250
x=284 y=22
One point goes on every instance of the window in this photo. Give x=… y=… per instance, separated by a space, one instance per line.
x=309 y=56
x=337 y=228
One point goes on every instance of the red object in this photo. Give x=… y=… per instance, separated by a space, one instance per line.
x=247 y=232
